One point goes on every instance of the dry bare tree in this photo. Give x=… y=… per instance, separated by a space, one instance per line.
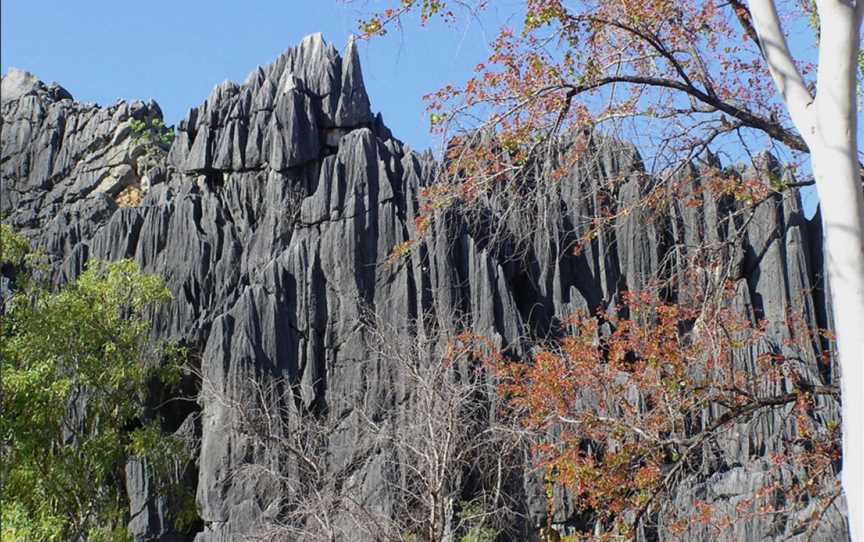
x=457 y=454
x=450 y=463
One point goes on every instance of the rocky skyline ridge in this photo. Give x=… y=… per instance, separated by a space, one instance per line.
x=272 y=215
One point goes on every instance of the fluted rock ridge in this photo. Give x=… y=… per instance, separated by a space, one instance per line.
x=272 y=217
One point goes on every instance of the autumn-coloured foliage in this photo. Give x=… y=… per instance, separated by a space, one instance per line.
x=632 y=401
x=689 y=73
x=639 y=402
x=696 y=59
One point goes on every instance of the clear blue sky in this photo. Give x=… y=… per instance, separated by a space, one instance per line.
x=176 y=52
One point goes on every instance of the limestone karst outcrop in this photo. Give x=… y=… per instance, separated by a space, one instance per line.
x=272 y=216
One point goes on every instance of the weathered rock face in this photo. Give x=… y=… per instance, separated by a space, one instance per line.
x=272 y=218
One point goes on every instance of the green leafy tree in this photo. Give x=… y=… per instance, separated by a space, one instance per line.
x=152 y=132
x=75 y=364
x=13 y=247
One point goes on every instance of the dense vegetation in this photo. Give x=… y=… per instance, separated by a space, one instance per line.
x=76 y=363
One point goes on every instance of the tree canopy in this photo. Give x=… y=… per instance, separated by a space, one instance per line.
x=75 y=367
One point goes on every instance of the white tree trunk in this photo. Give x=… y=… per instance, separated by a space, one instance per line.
x=844 y=259
x=829 y=125
x=838 y=181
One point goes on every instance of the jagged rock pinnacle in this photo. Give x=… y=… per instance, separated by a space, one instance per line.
x=272 y=220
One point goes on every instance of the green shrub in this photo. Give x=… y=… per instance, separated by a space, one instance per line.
x=152 y=132
x=13 y=247
x=75 y=366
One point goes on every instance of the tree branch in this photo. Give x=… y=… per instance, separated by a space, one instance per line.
x=746 y=21
x=783 y=70
x=748 y=119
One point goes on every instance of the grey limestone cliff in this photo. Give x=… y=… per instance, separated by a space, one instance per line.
x=272 y=216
